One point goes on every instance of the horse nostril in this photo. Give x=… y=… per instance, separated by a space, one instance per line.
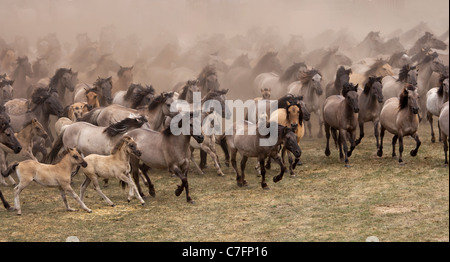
x=356 y=110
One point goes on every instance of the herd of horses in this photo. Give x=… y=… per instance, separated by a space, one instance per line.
x=116 y=128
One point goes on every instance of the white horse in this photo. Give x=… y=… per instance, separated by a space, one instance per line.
x=436 y=97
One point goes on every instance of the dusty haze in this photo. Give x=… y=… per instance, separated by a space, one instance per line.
x=187 y=19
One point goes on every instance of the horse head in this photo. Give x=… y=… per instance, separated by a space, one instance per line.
x=104 y=87
x=289 y=139
x=349 y=92
x=409 y=97
x=7 y=136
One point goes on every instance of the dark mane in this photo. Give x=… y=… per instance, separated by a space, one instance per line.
x=373 y=69
x=305 y=77
x=440 y=91
x=159 y=99
x=118 y=146
x=123 y=126
x=428 y=57
x=291 y=70
x=213 y=94
x=403 y=98
x=404 y=73
x=59 y=73
x=370 y=83
x=339 y=73
x=39 y=95
x=349 y=87
x=98 y=83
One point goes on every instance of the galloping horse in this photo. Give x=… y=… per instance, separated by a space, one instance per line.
x=342 y=77
x=340 y=113
x=400 y=117
x=369 y=106
x=392 y=87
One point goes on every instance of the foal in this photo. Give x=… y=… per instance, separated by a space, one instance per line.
x=116 y=165
x=400 y=117
x=58 y=175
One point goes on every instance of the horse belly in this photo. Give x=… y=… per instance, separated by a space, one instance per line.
x=433 y=102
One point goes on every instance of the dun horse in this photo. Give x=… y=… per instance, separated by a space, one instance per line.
x=58 y=175
x=340 y=113
x=369 y=106
x=400 y=117
x=443 y=122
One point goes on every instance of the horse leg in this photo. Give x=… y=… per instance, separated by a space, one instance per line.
x=394 y=141
x=24 y=182
x=99 y=191
x=309 y=125
x=213 y=155
x=6 y=204
x=68 y=188
x=439 y=129
x=375 y=131
x=195 y=163
x=263 y=175
x=361 y=133
x=133 y=190
x=242 y=181
x=339 y=143
x=84 y=186
x=400 y=149
x=3 y=168
x=184 y=182
x=445 y=140
x=224 y=146
x=380 y=148
x=134 y=164
x=327 y=134
x=351 y=138
x=343 y=143
x=430 y=120
x=203 y=159
x=320 y=135
x=418 y=143
x=277 y=159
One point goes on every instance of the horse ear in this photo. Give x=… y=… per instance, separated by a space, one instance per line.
x=288 y=103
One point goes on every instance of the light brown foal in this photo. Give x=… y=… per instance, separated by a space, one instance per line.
x=58 y=175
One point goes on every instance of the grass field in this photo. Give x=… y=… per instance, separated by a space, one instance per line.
x=324 y=202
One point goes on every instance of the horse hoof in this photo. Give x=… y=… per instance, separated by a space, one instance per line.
x=10 y=209
x=347 y=165
x=380 y=153
x=266 y=188
x=327 y=152
x=413 y=153
x=400 y=162
x=190 y=201
x=221 y=174
x=433 y=140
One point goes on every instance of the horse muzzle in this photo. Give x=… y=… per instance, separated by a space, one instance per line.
x=415 y=110
x=199 y=138
x=17 y=149
x=356 y=110
x=138 y=153
x=84 y=164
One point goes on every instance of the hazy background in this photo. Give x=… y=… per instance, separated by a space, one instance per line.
x=186 y=19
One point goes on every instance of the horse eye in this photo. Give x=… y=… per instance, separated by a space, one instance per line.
x=76 y=157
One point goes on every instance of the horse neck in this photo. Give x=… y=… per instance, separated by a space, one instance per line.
x=39 y=113
x=65 y=164
x=156 y=116
x=25 y=136
x=424 y=76
x=121 y=154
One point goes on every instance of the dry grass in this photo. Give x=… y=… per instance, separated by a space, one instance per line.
x=325 y=202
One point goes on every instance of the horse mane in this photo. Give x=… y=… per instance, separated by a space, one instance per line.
x=403 y=98
x=305 y=77
x=98 y=83
x=404 y=72
x=349 y=87
x=118 y=145
x=440 y=91
x=340 y=72
x=213 y=94
x=59 y=73
x=373 y=68
x=159 y=99
x=185 y=88
x=291 y=70
x=39 y=95
x=130 y=90
x=122 y=126
x=428 y=57
x=370 y=83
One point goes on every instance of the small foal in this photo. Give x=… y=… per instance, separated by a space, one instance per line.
x=58 y=175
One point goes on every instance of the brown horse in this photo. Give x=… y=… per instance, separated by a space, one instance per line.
x=400 y=117
x=340 y=113
x=369 y=106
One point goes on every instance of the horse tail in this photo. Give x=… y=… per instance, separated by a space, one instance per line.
x=57 y=145
x=10 y=169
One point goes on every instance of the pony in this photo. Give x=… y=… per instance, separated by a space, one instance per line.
x=310 y=88
x=22 y=75
x=399 y=116
x=57 y=175
x=124 y=80
x=392 y=87
x=41 y=105
x=443 y=123
x=136 y=96
x=278 y=84
x=436 y=98
x=115 y=165
x=90 y=139
x=165 y=150
x=340 y=113
x=248 y=145
x=342 y=77
x=102 y=87
x=369 y=103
